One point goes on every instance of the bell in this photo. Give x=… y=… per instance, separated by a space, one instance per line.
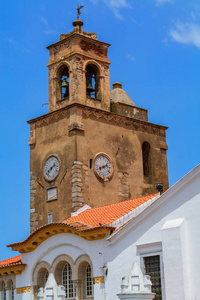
x=89 y=88
x=65 y=87
x=65 y=83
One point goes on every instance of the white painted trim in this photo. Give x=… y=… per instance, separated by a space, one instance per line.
x=168 y=195
x=133 y=213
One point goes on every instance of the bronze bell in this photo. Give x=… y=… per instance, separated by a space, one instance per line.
x=89 y=87
x=65 y=87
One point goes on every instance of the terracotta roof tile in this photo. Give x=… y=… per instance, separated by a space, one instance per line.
x=104 y=215
x=11 y=261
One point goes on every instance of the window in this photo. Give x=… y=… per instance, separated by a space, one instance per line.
x=65 y=83
x=4 y=291
x=67 y=282
x=152 y=268
x=62 y=83
x=50 y=218
x=93 y=82
x=12 y=291
x=152 y=264
x=146 y=159
x=89 y=282
x=46 y=275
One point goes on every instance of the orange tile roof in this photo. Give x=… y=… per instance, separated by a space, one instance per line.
x=104 y=215
x=10 y=261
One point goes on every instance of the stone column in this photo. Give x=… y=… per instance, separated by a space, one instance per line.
x=78 y=288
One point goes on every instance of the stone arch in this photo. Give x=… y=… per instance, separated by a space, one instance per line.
x=3 y=289
x=93 y=75
x=9 y=284
x=92 y=62
x=62 y=81
x=59 y=264
x=2 y=283
x=81 y=264
x=83 y=259
x=38 y=274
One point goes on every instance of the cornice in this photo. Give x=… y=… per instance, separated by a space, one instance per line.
x=80 y=53
x=15 y=268
x=98 y=113
x=77 y=34
x=43 y=233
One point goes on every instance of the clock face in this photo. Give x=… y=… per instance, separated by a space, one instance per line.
x=103 y=166
x=51 y=168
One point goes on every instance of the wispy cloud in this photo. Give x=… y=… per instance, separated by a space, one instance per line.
x=48 y=29
x=115 y=6
x=131 y=57
x=186 y=33
x=161 y=2
x=44 y=20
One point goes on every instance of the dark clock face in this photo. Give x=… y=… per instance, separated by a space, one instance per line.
x=103 y=166
x=51 y=168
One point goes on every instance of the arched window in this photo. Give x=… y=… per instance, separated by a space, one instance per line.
x=88 y=281
x=10 y=288
x=46 y=275
x=62 y=83
x=146 y=159
x=12 y=291
x=4 y=290
x=67 y=282
x=65 y=83
x=93 y=82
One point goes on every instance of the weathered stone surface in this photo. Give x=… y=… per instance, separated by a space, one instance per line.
x=121 y=135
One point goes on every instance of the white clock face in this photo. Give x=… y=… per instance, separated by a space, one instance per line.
x=103 y=166
x=51 y=168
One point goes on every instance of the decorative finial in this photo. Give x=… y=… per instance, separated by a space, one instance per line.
x=79 y=10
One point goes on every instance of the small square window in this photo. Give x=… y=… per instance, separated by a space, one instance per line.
x=50 y=218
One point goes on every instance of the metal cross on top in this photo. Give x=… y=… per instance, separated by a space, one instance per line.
x=79 y=10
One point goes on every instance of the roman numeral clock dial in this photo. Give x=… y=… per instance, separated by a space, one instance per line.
x=103 y=167
x=51 y=168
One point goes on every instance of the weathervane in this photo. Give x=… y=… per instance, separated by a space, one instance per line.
x=79 y=10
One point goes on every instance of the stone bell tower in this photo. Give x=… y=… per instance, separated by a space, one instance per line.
x=76 y=57
x=94 y=147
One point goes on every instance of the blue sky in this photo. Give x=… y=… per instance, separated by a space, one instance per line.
x=155 y=54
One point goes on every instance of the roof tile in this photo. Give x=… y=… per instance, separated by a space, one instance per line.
x=104 y=215
x=11 y=260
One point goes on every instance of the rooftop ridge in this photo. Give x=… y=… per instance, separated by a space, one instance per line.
x=106 y=205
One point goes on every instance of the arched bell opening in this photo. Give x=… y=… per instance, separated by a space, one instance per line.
x=62 y=85
x=93 y=82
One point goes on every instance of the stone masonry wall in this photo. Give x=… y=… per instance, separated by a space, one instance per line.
x=123 y=186
x=79 y=184
x=33 y=213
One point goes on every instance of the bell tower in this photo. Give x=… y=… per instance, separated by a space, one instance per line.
x=79 y=70
x=95 y=146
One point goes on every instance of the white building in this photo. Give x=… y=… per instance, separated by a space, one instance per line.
x=157 y=234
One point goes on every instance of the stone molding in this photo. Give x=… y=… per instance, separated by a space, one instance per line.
x=98 y=113
x=38 y=267
x=82 y=259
